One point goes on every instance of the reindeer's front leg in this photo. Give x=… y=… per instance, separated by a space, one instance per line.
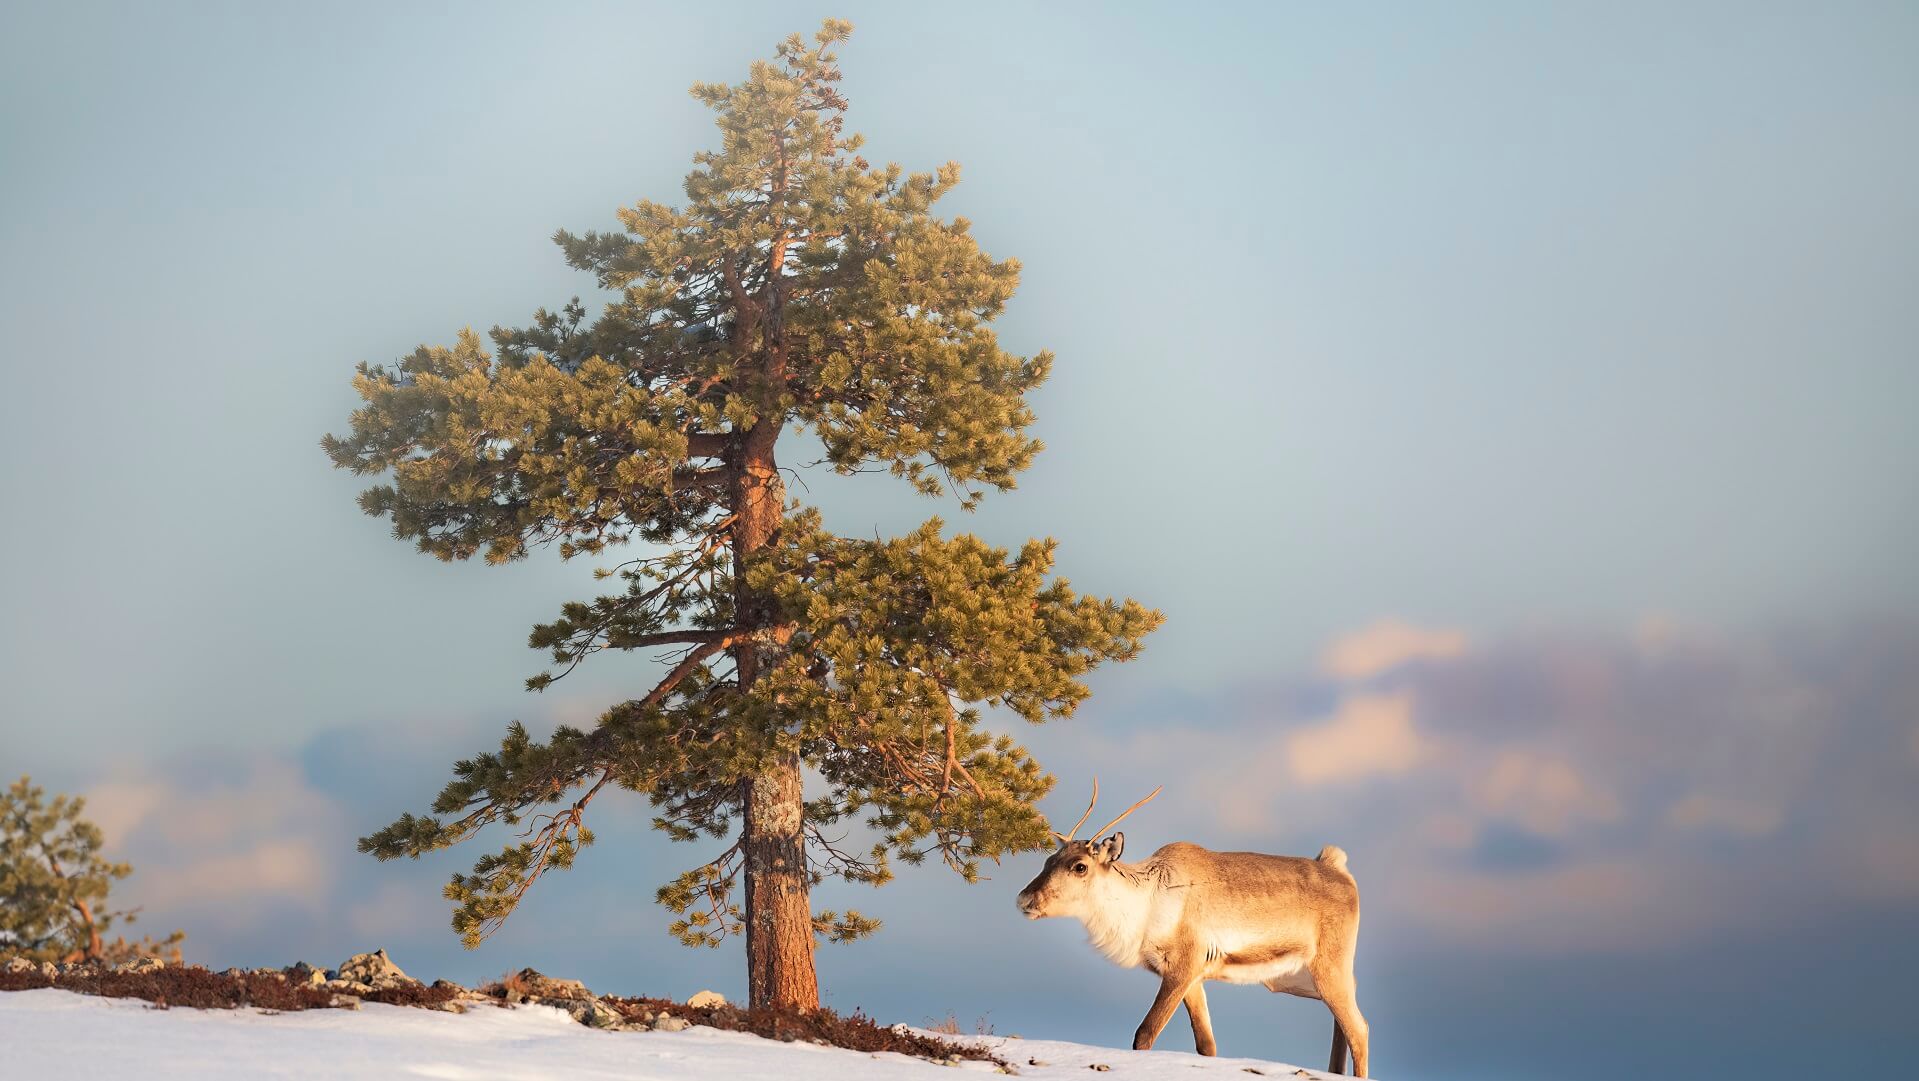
x=1174 y=981
x=1202 y=1019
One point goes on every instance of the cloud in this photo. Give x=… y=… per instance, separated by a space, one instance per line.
x=1546 y=795
x=1702 y=812
x=1566 y=791
x=239 y=837
x=1563 y=906
x=1386 y=645
x=1369 y=734
x=1571 y=788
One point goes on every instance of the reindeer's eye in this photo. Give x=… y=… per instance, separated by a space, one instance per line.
x=1079 y=868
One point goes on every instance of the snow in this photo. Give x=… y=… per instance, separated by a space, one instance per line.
x=50 y=1033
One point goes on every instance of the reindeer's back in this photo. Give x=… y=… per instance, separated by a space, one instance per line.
x=1257 y=886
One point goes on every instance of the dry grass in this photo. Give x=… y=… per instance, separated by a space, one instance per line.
x=951 y=1026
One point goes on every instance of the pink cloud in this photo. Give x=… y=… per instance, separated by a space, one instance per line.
x=1573 y=789
x=1386 y=645
x=1368 y=735
x=253 y=832
x=1544 y=794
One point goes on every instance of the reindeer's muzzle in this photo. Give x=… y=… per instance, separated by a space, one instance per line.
x=1029 y=905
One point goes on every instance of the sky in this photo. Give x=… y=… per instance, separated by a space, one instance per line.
x=1508 y=405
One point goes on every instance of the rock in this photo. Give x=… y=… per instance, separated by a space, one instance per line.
x=374 y=969
x=351 y=987
x=141 y=965
x=302 y=973
x=450 y=1006
x=460 y=993
x=499 y=990
x=535 y=985
x=1101 y=1067
x=705 y=999
x=345 y=1002
x=600 y=1015
x=666 y=1022
x=45 y=969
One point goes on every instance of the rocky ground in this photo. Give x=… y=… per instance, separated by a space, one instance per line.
x=374 y=977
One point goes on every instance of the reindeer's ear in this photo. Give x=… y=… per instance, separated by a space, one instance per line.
x=1111 y=847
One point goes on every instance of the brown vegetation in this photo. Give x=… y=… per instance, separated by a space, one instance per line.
x=855 y=1031
x=199 y=988
x=182 y=986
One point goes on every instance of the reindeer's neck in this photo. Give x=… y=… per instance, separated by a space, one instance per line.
x=1121 y=913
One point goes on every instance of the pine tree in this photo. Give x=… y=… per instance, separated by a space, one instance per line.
x=799 y=288
x=53 y=884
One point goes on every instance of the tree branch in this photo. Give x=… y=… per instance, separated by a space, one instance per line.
x=707 y=444
x=718 y=477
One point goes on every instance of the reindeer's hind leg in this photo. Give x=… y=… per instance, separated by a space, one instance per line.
x=1338 y=1064
x=1333 y=979
x=1345 y=1009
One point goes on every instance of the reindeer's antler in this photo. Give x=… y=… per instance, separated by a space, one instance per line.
x=1101 y=832
x=1068 y=835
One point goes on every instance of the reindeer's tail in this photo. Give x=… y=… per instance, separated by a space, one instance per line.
x=1333 y=856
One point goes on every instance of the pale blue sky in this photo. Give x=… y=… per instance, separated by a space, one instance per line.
x=1573 y=330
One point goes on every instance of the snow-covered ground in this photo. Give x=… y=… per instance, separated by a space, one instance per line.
x=59 y=1034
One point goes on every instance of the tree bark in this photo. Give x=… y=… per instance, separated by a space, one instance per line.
x=779 y=917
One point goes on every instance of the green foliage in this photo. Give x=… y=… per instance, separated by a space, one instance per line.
x=54 y=885
x=896 y=645
x=799 y=285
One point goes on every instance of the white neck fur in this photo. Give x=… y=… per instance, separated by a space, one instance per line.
x=1119 y=911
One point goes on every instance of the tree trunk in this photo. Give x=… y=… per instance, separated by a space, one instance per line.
x=93 y=947
x=91 y=951
x=779 y=917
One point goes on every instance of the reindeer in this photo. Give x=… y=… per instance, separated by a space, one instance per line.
x=1191 y=915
